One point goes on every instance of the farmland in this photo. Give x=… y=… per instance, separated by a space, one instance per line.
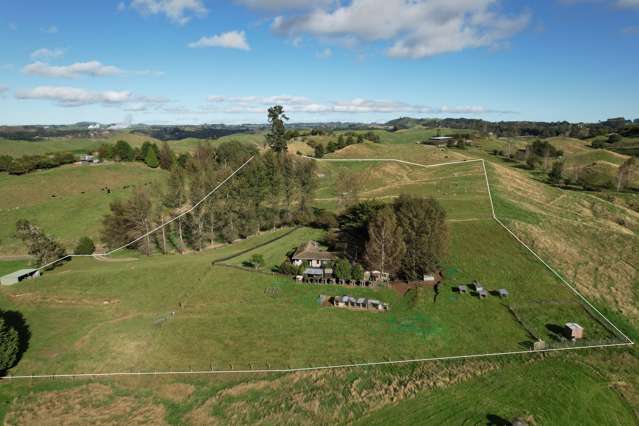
x=140 y=313
x=69 y=202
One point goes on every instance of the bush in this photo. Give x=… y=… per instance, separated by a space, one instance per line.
x=85 y=246
x=257 y=260
x=357 y=272
x=9 y=345
x=287 y=268
x=343 y=269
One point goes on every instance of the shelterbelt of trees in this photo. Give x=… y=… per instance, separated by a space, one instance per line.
x=274 y=189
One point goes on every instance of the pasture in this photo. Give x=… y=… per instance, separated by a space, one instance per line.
x=68 y=202
x=204 y=311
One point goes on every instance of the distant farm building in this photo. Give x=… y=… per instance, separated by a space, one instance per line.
x=503 y=292
x=89 y=159
x=574 y=331
x=17 y=276
x=439 y=140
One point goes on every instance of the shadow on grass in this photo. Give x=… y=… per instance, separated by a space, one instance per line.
x=16 y=321
x=556 y=331
x=495 y=420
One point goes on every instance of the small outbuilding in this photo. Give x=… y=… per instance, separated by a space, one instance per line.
x=482 y=293
x=17 y=276
x=503 y=293
x=574 y=331
x=462 y=289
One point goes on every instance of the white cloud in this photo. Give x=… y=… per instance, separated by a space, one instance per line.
x=176 y=10
x=284 y=4
x=631 y=30
x=301 y=104
x=627 y=3
x=229 y=40
x=3 y=89
x=121 y=7
x=325 y=54
x=415 y=28
x=47 y=53
x=73 y=97
x=50 y=29
x=91 y=68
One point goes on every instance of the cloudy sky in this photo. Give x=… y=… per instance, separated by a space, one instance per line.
x=209 y=61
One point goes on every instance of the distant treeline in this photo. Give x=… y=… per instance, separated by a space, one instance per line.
x=197 y=132
x=621 y=126
x=29 y=163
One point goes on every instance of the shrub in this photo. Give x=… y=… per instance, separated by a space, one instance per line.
x=357 y=272
x=343 y=269
x=257 y=260
x=85 y=246
x=9 y=345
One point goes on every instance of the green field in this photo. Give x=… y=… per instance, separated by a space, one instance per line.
x=203 y=311
x=115 y=316
x=68 y=202
x=564 y=393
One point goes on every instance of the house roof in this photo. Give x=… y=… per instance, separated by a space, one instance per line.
x=311 y=250
x=573 y=326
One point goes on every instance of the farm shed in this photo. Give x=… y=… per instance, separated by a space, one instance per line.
x=462 y=289
x=503 y=292
x=482 y=293
x=429 y=278
x=17 y=276
x=574 y=331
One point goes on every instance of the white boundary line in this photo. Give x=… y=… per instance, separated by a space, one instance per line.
x=303 y=369
x=364 y=364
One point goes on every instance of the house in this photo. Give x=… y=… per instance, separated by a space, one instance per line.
x=429 y=278
x=574 y=331
x=439 y=140
x=482 y=293
x=312 y=253
x=89 y=159
x=17 y=276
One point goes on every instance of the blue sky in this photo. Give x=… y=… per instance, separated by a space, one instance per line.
x=209 y=61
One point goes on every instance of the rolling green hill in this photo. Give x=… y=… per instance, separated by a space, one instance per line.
x=184 y=313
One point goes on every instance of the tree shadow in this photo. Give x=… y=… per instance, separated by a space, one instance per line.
x=495 y=420
x=16 y=320
x=556 y=331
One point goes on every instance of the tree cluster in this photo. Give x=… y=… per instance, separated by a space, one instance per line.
x=407 y=238
x=149 y=154
x=29 y=163
x=343 y=140
x=44 y=248
x=274 y=189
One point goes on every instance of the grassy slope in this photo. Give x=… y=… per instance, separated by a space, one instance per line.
x=17 y=148
x=79 y=203
x=563 y=393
